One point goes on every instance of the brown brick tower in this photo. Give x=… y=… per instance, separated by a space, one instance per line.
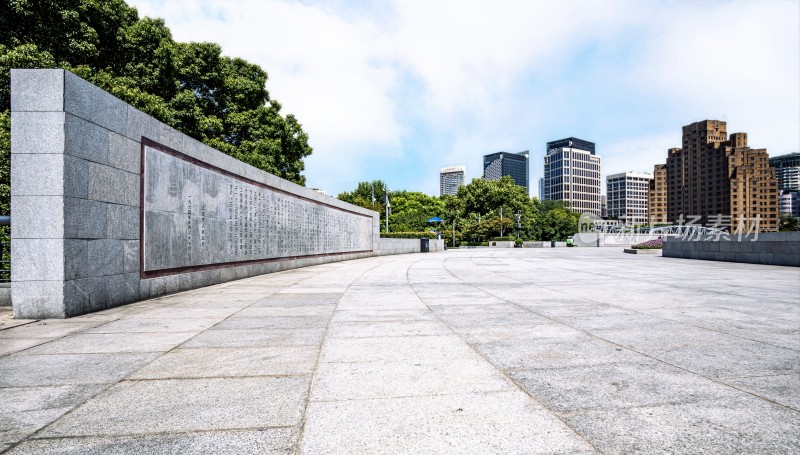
x=718 y=181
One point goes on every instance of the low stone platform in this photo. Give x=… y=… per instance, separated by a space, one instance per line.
x=650 y=251
x=558 y=350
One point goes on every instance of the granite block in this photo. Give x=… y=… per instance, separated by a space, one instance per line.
x=37 y=175
x=94 y=104
x=38 y=299
x=124 y=288
x=37 y=259
x=37 y=132
x=130 y=262
x=84 y=295
x=86 y=140
x=37 y=217
x=172 y=284
x=105 y=257
x=122 y=222
x=140 y=125
x=95 y=293
x=37 y=89
x=108 y=184
x=124 y=153
x=76 y=259
x=169 y=136
x=156 y=286
x=84 y=218
x=144 y=289
x=76 y=176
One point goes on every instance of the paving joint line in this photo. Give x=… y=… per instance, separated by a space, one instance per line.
x=498 y=370
x=716 y=380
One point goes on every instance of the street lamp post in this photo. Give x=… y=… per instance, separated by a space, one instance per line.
x=388 y=208
x=501 y=221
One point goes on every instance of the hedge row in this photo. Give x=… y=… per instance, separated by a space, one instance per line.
x=408 y=235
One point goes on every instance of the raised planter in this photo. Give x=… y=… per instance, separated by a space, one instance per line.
x=652 y=251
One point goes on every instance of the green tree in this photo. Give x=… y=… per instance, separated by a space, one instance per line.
x=787 y=222
x=192 y=87
x=362 y=196
x=558 y=224
x=411 y=210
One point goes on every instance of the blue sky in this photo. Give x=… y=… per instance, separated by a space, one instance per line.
x=396 y=90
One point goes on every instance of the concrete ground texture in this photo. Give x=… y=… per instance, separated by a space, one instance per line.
x=558 y=351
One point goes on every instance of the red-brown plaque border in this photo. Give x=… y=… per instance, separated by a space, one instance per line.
x=146 y=142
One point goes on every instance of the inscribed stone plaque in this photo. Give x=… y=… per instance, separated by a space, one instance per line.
x=196 y=215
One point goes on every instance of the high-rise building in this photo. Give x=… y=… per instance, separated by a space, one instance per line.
x=716 y=180
x=626 y=197
x=789 y=203
x=603 y=206
x=450 y=178
x=657 y=196
x=541 y=189
x=787 y=170
x=514 y=165
x=572 y=174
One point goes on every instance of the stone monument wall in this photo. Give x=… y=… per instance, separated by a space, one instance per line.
x=111 y=206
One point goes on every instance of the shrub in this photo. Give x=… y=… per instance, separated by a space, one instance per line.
x=408 y=235
x=656 y=244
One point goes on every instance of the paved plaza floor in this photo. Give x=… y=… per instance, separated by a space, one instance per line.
x=569 y=350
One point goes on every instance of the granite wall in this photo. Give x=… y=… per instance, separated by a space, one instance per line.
x=111 y=206
x=772 y=248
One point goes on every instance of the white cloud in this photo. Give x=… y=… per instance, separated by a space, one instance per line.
x=399 y=89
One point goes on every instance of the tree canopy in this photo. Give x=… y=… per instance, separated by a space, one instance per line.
x=220 y=100
x=475 y=209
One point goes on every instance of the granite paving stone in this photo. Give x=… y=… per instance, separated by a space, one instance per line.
x=147 y=325
x=262 y=441
x=740 y=425
x=180 y=405
x=507 y=422
x=17 y=344
x=231 y=362
x=256 y=337
x=27 y=409
x=780 y=388
x=412 y=377
x=557 y=350
x=617 y=385
x=27 y=370
x=100 y=343
x=360 y=329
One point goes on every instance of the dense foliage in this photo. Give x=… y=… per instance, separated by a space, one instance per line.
x=409 y=235
x=786 y=222
x=474 y=212
x=192 y=87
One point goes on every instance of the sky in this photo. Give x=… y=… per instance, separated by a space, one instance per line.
x=395 y=90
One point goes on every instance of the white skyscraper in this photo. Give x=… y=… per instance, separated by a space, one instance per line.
x=572 y=174
x=450 y=178
x=626 y=195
